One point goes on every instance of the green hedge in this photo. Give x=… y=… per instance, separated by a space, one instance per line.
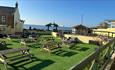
x=44 y=33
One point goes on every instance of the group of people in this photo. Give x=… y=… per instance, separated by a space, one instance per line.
x=104 y=38
x=69 y=40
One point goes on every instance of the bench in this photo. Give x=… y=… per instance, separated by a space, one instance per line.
x=29 y=40
x=50 y=46
x=11 y=55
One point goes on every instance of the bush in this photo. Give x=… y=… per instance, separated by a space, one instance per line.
x=3 y=35
x=44 y=33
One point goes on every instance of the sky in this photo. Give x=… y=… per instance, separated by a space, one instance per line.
x=64 y=12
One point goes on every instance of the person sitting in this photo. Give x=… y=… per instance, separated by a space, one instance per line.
x=31 y=38
x=69 y=40
x=64 y=39
x=8 y=37
x=22 y=43
x=58 y=46
x=73 y=40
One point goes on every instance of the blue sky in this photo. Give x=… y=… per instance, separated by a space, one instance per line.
x=64 y=12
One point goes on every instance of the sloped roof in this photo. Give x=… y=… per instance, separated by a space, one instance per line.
x=80 y=26
x=7 y=10
x=110 y=20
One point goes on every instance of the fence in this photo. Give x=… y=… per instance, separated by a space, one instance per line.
x=98 y=59
x=109 y=34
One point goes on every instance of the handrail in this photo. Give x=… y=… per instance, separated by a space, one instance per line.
x=105 y=32
x=94 y=57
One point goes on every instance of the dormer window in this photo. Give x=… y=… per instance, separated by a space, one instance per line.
x=3 y=19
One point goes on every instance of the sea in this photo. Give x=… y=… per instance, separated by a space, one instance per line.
x=26 y=26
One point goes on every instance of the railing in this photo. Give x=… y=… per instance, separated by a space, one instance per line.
x=109 y=34
x=98 y=59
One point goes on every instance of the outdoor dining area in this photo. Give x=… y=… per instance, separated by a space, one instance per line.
x=35 y=51
x=44 y=51
x=14 y=52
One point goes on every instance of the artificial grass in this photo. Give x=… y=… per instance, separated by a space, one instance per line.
x=59 y=59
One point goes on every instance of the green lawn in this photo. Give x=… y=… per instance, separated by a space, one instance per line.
x=60 y=59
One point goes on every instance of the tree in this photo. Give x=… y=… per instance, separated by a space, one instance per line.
x=48 y=25
x=56 y=26
x=30 y=28
x=34 y=28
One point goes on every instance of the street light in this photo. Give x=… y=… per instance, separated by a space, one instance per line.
x=62 y=30
x=82 y=19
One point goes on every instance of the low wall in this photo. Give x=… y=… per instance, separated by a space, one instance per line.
x=104 y=33
x=84 y=39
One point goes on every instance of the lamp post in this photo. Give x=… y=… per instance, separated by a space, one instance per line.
x=82 y=18
x=62 y=30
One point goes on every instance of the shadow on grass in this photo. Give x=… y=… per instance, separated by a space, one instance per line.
x=64 y=53
x=30 y=41
x=16 y=41
x=4 y=48
x=83 y=49
x=20 y=65
x=74 y=47
x=9 y=44
x=16 y=65
x=42 y=65
x=34 y=46
x=78 y=48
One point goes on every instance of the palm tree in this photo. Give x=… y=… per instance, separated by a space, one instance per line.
x=56 y=26
x=48 y=25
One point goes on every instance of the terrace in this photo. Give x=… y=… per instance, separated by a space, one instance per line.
x=51 y=52
x=58 y=59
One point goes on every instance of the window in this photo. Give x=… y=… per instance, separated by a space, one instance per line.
x=3 y=18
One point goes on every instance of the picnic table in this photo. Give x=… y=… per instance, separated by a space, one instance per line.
x=51 y=45
x=21 y=54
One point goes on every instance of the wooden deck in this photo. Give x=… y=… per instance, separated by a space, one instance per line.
x=113 y=63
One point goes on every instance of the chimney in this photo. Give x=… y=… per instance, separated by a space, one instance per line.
x=16 y=5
